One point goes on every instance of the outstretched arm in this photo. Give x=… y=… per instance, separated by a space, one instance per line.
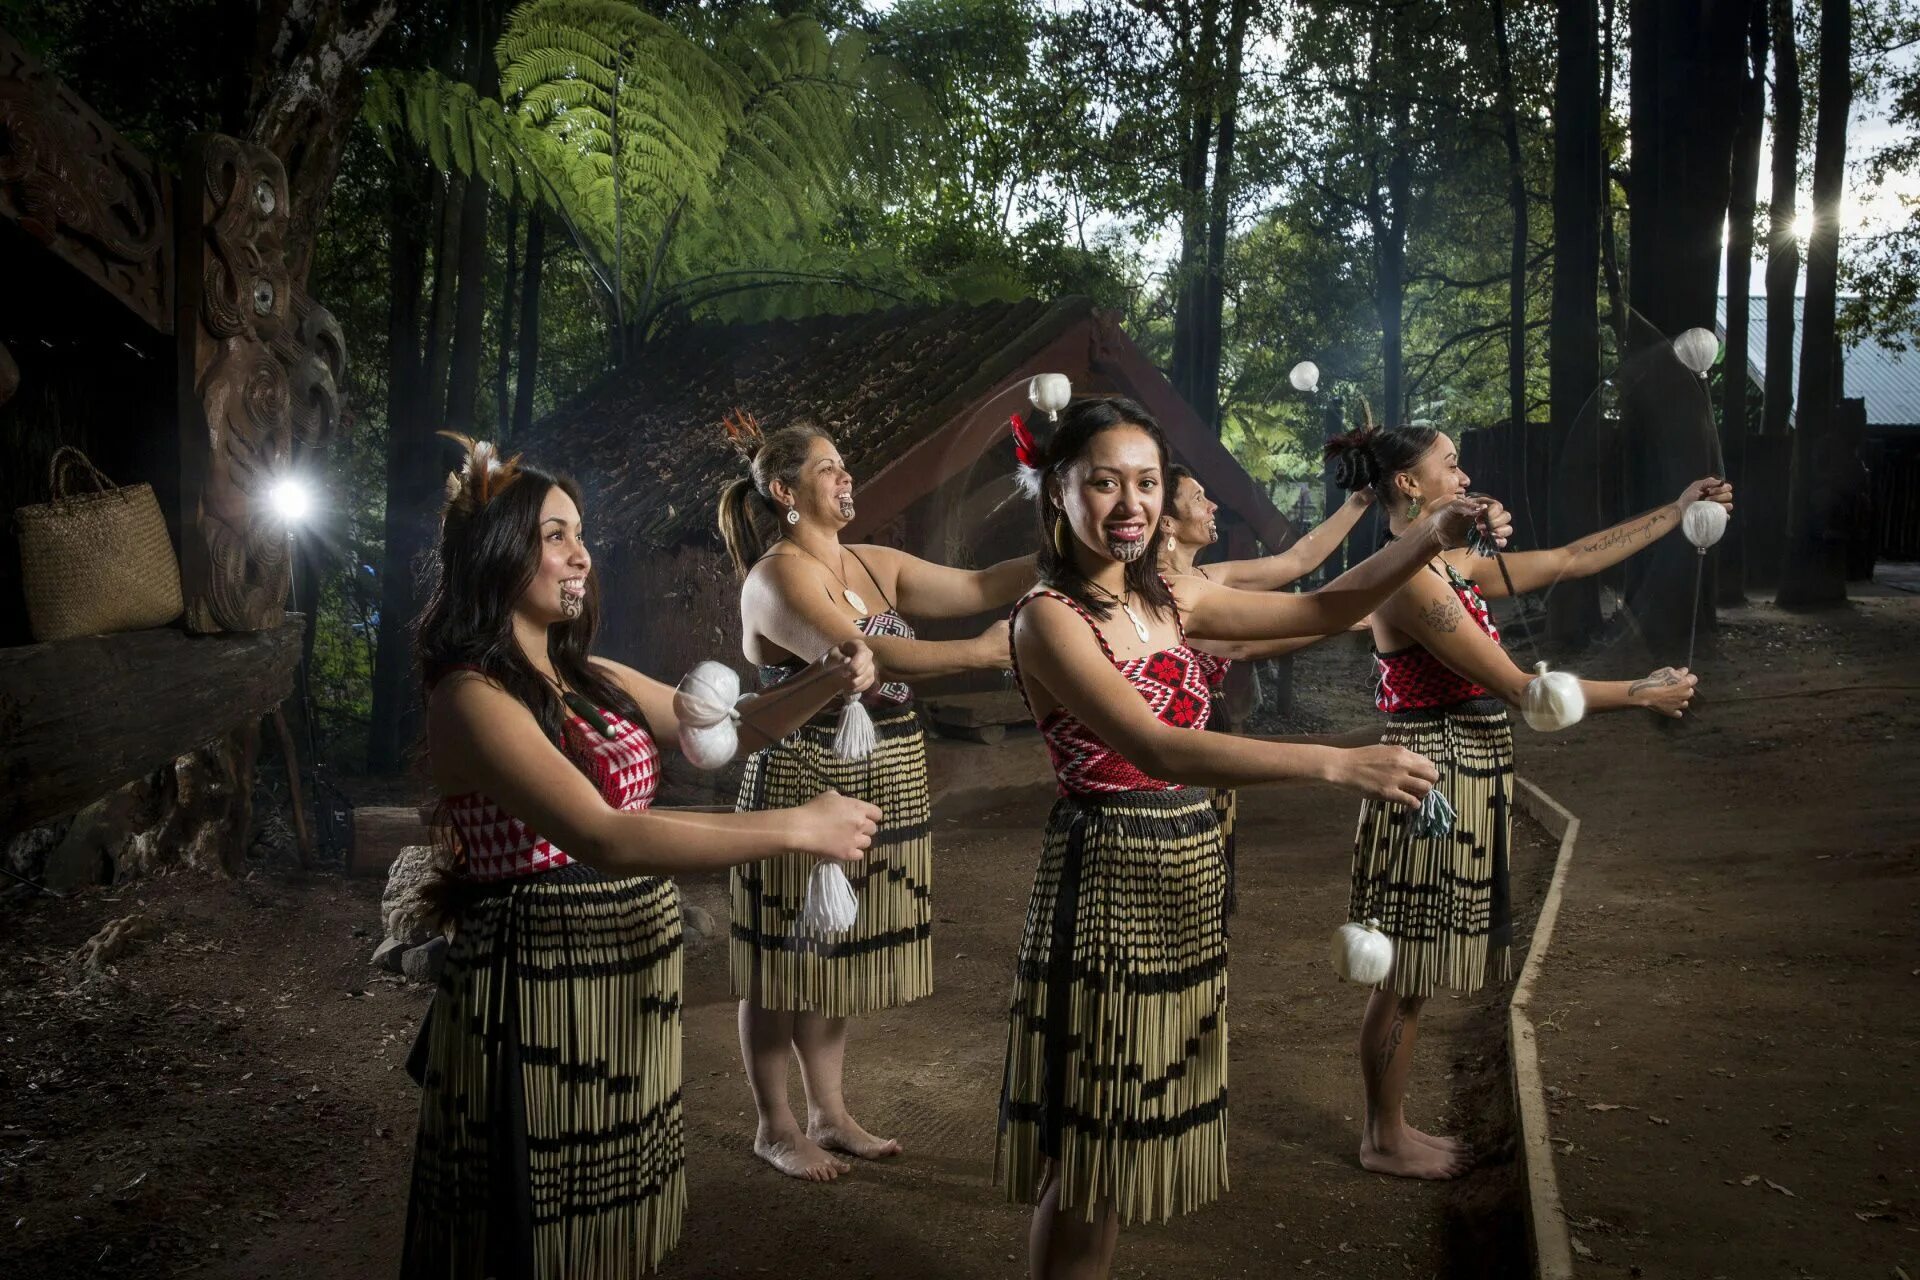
x=1215 y=612
x=784 y=602
x=1270 y=573
x=929 y=590
x=1535 y=570
x=1428 y=611
x=1062 y=663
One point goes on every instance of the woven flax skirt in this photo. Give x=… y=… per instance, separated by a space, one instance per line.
x=1444 y=900
x=886 y=959
x=1117 y=1044
x=550 y=1140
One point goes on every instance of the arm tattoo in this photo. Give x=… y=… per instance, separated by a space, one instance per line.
x=1441 y=615
x=1661 y=679
x=1642 y=528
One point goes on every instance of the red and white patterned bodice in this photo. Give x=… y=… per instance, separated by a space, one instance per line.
x=1174 y=683
x=1412 y=679
x=495 y=845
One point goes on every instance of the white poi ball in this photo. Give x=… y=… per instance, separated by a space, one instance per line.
x=1050 y=392
x=1361 y=953
x=1696 y=349
x=1704 y=523
x=706 y=694
x=1305 y=376
x=1552 y=700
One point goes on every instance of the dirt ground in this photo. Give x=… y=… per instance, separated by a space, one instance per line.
x=229 y=1101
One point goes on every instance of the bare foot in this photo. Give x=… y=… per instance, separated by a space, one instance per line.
x=1453 y=1146
x=798 y=1156
x=845 y=1135
x=1410 y=1159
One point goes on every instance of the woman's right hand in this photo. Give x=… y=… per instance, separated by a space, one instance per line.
x=1454 y=520
x=1666 y=691
x=849 y=665
x=834 y=828
x=994 y=647
x=1385 y=772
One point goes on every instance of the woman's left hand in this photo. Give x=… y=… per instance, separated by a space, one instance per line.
x=1711 y=489
x=850 y=665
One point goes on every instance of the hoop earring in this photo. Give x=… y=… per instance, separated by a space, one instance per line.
x=1061 y=535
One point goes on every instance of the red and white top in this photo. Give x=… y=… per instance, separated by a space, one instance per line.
x=1174 y=684
x=1412 y=679
x=495 y=845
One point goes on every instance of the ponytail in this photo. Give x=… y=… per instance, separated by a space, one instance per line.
x=749 y=519
x=748 y=524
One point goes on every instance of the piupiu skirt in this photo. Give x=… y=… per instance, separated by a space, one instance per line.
x=1444 y=900
x=886 y=959
x=1116 y=1068
x=551 y=1143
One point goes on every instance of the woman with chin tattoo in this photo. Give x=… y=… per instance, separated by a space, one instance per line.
x=1114 y=1098
x=803 y=589
x=550 y=1141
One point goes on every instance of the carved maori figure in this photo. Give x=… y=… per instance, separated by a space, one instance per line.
x=267 y=371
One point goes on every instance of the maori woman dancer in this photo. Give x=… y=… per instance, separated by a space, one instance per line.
x=1114 y=1102
x=1445 y=684
x=1188 y=527
x=803 y=591
x=550 y=1141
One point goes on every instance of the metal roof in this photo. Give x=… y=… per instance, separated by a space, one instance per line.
x=1888 y=380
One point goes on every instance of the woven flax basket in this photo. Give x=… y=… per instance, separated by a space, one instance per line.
x=96 y=562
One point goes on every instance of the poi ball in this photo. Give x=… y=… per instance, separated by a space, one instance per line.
x=1704 y=523
x=1552 y=700
x=1050 y=392
x=706 y=694
x=1305 y=376
x=1361 y=953
x=1696 y=349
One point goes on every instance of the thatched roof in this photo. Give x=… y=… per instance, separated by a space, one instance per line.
x=646 y=442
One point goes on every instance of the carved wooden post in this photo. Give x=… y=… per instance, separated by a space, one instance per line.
x=260 y=368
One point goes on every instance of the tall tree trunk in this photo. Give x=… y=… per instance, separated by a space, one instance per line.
x=1767 y=510
x=503 y=340
x=1814 y=567
x=1214 y=301
x=529 y=356
x=306 y=84
x=469 y=312
x=1520 y=491
x=1390 y=256
x=1688 y=64
x=1609 y=249
x=1196 y=88
x=1733 y=370
x=446 y=274
x=1579 y=172
x=408 y=434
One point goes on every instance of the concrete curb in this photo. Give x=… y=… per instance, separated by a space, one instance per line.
x=1552 y=1244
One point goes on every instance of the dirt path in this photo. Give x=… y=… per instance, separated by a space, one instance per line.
x=1731 y=1012
x=231 y=1105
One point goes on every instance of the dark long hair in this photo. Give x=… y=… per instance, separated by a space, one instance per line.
x=750 y=520
x=1080 y=423
x=1375 y=455
x=488 y=554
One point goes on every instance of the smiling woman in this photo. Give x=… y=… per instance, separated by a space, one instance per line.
x=1114 y=1103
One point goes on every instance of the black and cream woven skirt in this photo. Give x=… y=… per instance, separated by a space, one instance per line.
x=886 y=959
x=1444 y=900
x=551 y=1143
x=1116 y=1070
